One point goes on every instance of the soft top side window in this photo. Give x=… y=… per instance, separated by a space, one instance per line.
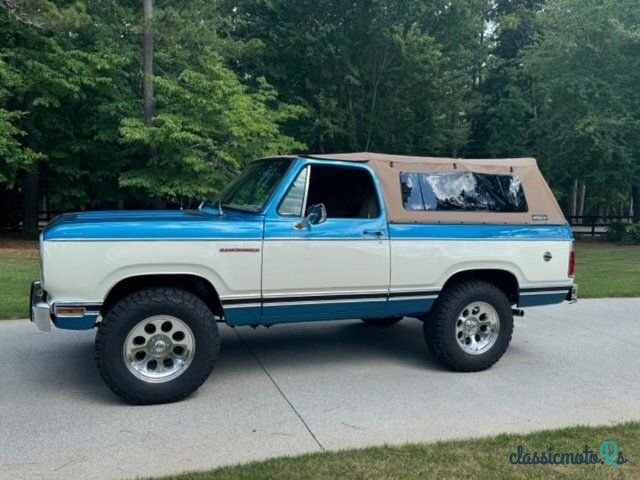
x=463 y=191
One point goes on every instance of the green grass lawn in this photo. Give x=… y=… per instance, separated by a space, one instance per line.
x=486 y=458
x=607 y=270
x=16 y=274
x=603 y=270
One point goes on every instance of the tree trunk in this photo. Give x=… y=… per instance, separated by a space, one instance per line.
x=147 y=86
x=635 y=200
x=31 y=202
x=147 y=64
x=600 y=211
x=455 y=120
x=583 y=192
x=30 y=224
x=574 y=200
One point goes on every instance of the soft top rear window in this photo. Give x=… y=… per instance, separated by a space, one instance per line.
x=462 y=191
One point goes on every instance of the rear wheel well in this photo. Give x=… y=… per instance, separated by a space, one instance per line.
x=194 y=284
x=504 y=280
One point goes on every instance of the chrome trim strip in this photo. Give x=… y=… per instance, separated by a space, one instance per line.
x=326 y=293
x=546 y=292
x=546 y=286
x=413 y=291
x=258 y=239
x=413 y=297
x=241 y=305
x=322 y=302
x=334 y=239
x=458 y=239
x=306 y=191
x=156 y=239
x=231 y=298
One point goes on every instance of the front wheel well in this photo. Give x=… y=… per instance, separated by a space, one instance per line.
x=194 y=284
x=503 y=279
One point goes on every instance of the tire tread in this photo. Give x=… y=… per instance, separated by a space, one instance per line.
x=143 y=298
x=435 y=327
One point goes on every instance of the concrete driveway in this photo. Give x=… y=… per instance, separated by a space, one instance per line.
x=310 y=387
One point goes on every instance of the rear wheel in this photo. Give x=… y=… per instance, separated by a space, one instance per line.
x=157 y=346
x=470 y=327
x=381 y=322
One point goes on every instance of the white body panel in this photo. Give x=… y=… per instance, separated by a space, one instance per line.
x=308 y=267
x=85 y=271
x=427 y=264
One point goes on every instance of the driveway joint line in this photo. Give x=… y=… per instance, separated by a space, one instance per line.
x=246 y=344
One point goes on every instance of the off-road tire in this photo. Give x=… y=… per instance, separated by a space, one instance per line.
x=127 y=313
x=381 y=322
x=440 y=326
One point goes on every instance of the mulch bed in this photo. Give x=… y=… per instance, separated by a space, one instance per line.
x=23 y=248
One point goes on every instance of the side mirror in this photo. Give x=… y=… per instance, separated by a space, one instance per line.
x=316 y=214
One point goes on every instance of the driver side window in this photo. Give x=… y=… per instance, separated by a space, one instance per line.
x=346 y=192
x=293 y=201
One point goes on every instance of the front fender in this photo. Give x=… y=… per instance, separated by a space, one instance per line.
x=87 y=270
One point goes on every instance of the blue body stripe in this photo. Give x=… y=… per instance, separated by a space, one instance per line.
x=243 y=315
x=300 y=312
x=87 y=322
x=480 y=232
x=531 y=300
x=408 y=307
x=332 y=229
x=161 y=225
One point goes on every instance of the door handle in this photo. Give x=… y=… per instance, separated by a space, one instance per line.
x=373 y=233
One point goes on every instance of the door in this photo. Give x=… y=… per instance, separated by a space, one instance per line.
x=338 y=268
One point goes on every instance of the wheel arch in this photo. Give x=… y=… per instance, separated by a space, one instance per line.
x=503 y=279
x=195 y=284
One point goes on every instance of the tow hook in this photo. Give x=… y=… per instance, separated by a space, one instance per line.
x=517 y=312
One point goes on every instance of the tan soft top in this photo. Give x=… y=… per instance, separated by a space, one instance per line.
x=542 y=205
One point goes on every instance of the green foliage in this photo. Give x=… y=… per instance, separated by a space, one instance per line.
x=633 y=231
x=586 y=92
x=616 y=232
x=238 y=79
x=393 y=76
x=13 y=157
x=208 y=124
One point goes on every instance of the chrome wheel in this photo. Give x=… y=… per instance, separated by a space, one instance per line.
x=477 y=328
x=159 y=349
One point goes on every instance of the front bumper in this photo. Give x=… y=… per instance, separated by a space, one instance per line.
x=40 y=311
x=78 y=315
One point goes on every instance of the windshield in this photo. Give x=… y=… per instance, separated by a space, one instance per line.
x=250 y=190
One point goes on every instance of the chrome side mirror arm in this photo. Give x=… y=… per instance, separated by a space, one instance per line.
x=316 y=214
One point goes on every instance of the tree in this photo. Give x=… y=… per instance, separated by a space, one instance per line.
x=67 y=89
x=504 y=126
x=373 y=75
x=14 y=158
x=586 y=87
x=203 y=124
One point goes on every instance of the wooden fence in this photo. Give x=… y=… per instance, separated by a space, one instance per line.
x=587 y=225
x=595 y=226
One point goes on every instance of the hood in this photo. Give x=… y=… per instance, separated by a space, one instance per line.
x=154 y=225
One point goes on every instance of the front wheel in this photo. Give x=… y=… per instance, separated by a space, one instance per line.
x=470 y=327
x=157 y=346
